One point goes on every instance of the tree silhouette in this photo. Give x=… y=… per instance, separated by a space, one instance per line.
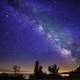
x=36 y=69
x=40 y=70
x=53 y=69
x=16 y=69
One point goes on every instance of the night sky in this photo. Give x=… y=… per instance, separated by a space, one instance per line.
x=44 y=30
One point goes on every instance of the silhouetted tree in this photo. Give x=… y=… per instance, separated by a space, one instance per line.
x=38 y=73
x=53 y=69
x=16 y=69
x=40 y=69
x=36 y=69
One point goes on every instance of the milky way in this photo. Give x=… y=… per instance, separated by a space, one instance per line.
x=45 y=30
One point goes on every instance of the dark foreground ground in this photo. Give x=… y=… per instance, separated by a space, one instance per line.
x=21 y=77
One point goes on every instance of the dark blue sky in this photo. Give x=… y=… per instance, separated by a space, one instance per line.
x=44 y=30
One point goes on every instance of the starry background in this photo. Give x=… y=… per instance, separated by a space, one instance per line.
x=44 y=30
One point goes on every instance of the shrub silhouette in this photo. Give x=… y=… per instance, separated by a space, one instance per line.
x=53 y=69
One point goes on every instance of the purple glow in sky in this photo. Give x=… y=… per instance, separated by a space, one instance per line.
x=44 y=30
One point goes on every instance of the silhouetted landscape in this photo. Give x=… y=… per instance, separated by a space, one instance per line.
x=38 y=74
